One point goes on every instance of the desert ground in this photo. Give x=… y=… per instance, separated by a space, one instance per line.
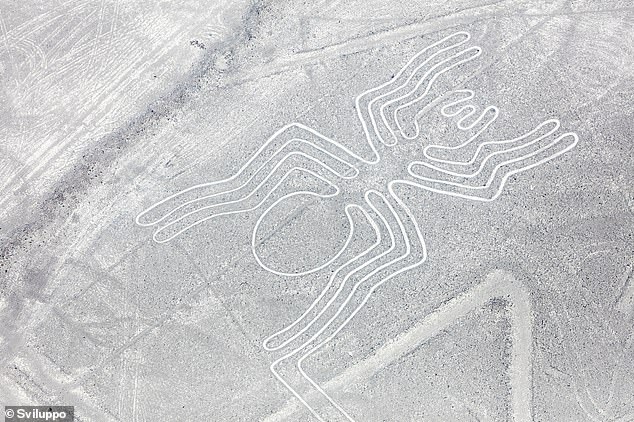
x=331 y=210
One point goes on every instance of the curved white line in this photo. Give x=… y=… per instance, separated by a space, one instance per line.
x=258 y=153
x=397 y=76
x=369 y=294
x=325 y=290
x=503 y=180
x=493 y=154
x=478 y=52
x=202 y=220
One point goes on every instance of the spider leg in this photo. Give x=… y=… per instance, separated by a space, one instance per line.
x=493 y=164
x=426 y=66
x=424 y=90
x=406 y=251
x=295 y=145
x=333 y=288
x=272 y=190
x=469 y=120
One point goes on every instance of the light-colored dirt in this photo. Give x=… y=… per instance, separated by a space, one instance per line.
x=517 y=309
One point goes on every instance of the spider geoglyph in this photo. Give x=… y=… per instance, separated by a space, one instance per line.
x=473 y=164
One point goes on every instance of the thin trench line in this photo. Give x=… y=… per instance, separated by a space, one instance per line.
x=486 y=158
x=407 y=32
x=491 y=63
x=254 y=242
x=255 y=173
x=209 y=285
x=478 y=52
x=159 y=322
x=369 y=294
x=325 y=290
x=323 y=328
x=401 y=33
x=309 y=271
x=393 y=80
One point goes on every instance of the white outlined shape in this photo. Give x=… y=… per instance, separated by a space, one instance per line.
x=336 y=163
x=264 y=199
x=312 y=270
x=476 y=50
x=140 y=217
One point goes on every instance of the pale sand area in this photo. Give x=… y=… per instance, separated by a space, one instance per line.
x=522 y=311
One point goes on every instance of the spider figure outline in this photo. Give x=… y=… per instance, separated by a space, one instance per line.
x=475 y=166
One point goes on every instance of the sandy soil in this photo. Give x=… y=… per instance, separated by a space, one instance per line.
x=510 y=301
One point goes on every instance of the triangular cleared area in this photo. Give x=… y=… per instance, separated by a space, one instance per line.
x=447 y=340
x=460 y=374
